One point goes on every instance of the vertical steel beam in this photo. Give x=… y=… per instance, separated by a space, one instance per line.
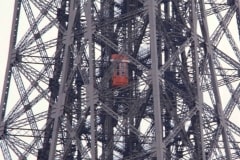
x=11 y=55
x=151 y=5
x=8 y=73
x=199 y=95
x=58 y=108
x=90 y=89
x=214 y=80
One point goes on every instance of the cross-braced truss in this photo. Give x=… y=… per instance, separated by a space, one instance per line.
x=179 y=98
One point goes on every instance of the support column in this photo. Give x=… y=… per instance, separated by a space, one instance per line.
x=199 y=96
x=59 y=106
x=218 y=105
x=90 y=89
x=151 y=6
x=7 y=79
x=11 y=55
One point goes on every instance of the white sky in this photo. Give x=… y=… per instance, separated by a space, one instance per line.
x=6 y=10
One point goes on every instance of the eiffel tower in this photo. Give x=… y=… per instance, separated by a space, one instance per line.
x=122 y=80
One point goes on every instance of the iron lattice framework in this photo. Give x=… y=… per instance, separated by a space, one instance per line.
x=181 y=100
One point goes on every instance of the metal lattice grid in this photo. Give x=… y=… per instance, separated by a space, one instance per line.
x=179 y=99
